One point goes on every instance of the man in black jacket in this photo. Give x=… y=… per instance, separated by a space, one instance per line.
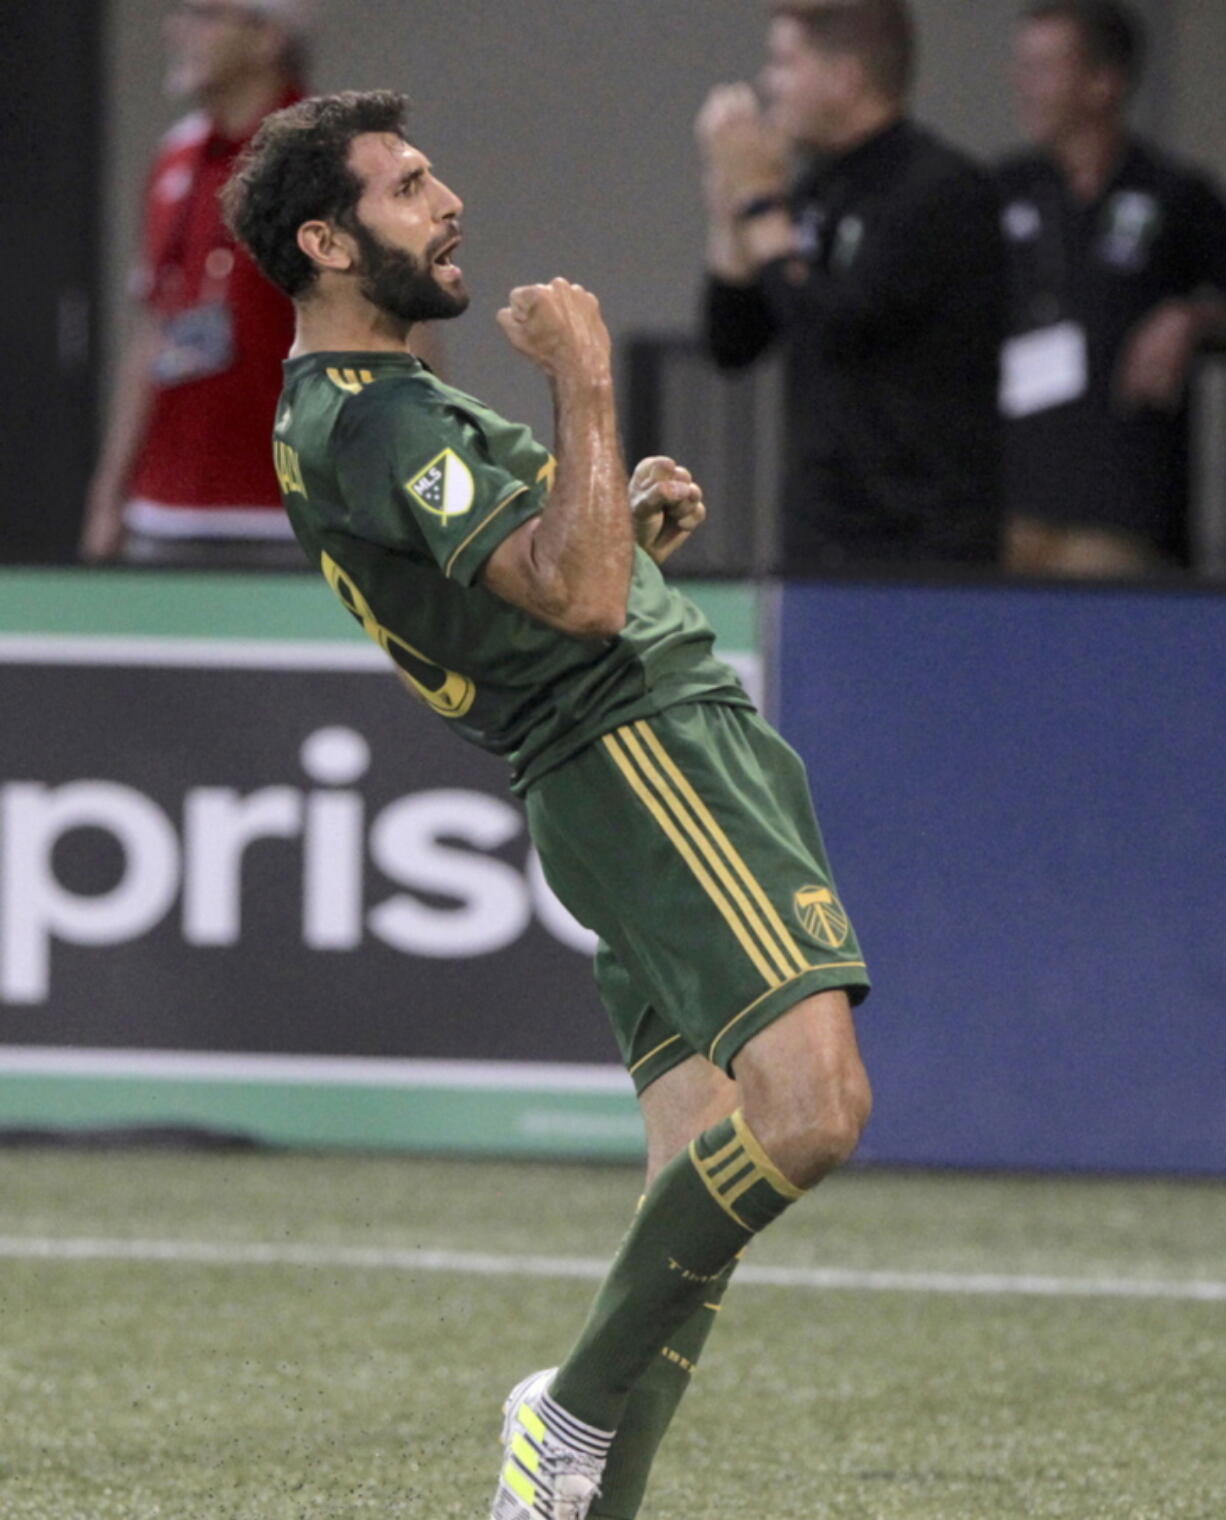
x=879 y=267
x=1117 y=256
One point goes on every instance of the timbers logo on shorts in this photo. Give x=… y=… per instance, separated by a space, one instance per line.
x=823 y=916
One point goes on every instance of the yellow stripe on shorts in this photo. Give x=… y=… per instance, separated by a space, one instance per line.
x=795 y=956
x=685 y=850
x=716 y=859
x=708 y=853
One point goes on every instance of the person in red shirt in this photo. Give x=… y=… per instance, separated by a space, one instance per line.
x=186 y=473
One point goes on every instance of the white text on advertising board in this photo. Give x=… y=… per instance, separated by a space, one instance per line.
x=426 y=845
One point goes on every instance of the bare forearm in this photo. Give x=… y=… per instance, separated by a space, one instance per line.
x=768 y=237
x=130 y=406
x=583 y=547
x=571 y=566
x=102 y=531
x=745 y=167
x=737 y=252
x=727 y=257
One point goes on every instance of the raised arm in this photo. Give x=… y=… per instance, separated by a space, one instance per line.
x=744 y=163
x=571 y=566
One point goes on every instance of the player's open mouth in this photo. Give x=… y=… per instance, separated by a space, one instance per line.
x=442 y=261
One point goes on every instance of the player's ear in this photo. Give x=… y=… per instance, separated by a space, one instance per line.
x=326 y=246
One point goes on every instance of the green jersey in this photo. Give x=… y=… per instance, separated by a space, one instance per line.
x=400 y=488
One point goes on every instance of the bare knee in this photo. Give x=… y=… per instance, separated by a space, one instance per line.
x=807 y=1140
x=806 y=1094
x=842 y=1113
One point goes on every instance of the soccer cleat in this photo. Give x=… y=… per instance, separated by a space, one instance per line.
x=551 y=1462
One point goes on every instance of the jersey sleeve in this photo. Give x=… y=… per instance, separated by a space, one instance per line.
x=418 y=475
x=738 y=325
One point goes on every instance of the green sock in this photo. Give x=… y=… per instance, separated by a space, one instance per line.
x=703 y=1208
x=650 y=1410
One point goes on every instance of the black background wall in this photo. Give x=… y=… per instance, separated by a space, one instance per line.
x=50 y=128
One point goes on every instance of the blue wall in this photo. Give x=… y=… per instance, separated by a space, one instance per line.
x=1024 y=794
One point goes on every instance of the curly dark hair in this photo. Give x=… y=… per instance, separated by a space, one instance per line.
x=296 y=169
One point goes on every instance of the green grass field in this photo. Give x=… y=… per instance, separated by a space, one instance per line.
x=255 y=1337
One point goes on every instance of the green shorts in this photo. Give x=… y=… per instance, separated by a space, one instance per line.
x=688 y=842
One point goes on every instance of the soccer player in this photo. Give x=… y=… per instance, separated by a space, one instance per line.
x=519 y=595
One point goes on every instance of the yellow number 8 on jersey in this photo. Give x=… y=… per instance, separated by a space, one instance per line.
x=446 y=692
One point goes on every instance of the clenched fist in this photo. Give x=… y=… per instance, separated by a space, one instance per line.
x=744 y=155
x=559 y=327
x=667 y=504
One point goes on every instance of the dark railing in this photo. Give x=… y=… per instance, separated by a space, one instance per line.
x=1209 y=464
x=723 y=427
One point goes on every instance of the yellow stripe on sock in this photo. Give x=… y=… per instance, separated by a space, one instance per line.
x=688 y=820
x=725 y=1154
x=762 y=1161
x=731 y=1177
x=742 y=1186
x=727 y=1169
x=682 y=845
x=678 y=1360
x=796 y=957
x=712 y=1189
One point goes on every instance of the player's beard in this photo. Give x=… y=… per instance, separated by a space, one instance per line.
x=402 y=286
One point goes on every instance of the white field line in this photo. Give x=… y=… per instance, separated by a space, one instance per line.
x=257 y=1254
x=345 y=1071
x=177 y=653
x=201 y=654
